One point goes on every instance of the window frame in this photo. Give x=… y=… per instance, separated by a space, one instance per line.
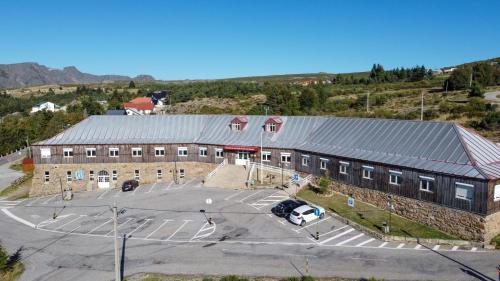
x=46 y=177
x=160 y=149
x=397 y=175
x=343 y=165
x=496 y=193
x=287 y=155
x=202 y=149
x=307 y=158
x=137 y=174
x=91 y=175
x=114 y=175
x=91 y=149
x=136 y=152
x=159 y=174
x=271 y=127
x=368 y=169
x=69 y=176
x=115 y=150
x=266 y=156
x=44 y=154
x=428 y=180
x=323 y=161
x=182 y=173
x=182 y=148
x=219 y=153
x=236 y=126
x=69 y=151
x=467 y=187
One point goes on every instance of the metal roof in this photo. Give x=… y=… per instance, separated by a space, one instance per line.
x=432 y=146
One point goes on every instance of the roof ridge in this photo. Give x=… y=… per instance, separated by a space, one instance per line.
x=468 y=152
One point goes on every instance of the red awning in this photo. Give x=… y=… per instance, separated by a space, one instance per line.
x=242 y=148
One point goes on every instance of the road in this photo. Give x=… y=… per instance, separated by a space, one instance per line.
x=492 y=96
x=163 y=231
x=7 y=175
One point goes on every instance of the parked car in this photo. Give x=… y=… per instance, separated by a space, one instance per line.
x=284 y=208
x=305 y=213
x=130 y=185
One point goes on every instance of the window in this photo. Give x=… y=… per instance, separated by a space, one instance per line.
x=136 y=152
x=159 y=174
x=463 y=191
x=496 y=194
x=159 y=151
x=426 y=184
x=137 y=175
x=322 y=163
x=266 y=156
x=236 y=126
x=305 y=160
x=91 y=152
x=395 y=177
x=46 y=177
x=285 y=157
x=182 y=174
x=343 y=167
x=271 y=127
x=182 y=151
x=203 y=152
x=114 y=175
x=91 y=175
x=68 y=152
x=219 y=153
x=113 y=152
x=368 y=172
x=69 y=177
x=45 y=152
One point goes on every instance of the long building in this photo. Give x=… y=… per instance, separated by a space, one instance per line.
x=438 y=173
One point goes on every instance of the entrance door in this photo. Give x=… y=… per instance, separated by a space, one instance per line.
x=103 y=179
x=242 y=158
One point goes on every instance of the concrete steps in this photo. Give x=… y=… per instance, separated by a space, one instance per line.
x=229 y=176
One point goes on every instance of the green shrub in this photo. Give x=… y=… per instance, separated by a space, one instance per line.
x=233 y=278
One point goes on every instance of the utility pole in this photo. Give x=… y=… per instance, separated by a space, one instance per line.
x=117 y=254
x=422 y=107
x=28 y=146
x=470 y=80
x=446 y=89
x=368 y=102
x=261 y=167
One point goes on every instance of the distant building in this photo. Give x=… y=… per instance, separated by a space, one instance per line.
x=48 y=106
x=448 y=70
x=142 y=105
x=116 y=112
x=159 y=97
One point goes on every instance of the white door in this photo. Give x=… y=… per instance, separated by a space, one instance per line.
x=242 y=158
x=103 y=179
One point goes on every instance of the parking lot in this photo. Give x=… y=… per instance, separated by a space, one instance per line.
x=170 y=213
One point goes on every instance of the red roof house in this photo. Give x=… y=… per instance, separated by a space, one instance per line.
x=143 y=104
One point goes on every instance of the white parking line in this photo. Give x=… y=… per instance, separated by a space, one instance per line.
x=251 y=195
x=51 y=221
x=365 y=242
x=71 y=221
x=169 y=185
x=233 y=195
x=383 y=244
x=349 y=240
x=135 y=190
x=454 y=248
x=119 y=226
x=137 y=228
x=50 y=199
x=435 y=248
x=159 y=227
x=178 y=229
x=204 y=228
x=152 y=187
x=99 y=226
x=335 y=230
x=473 y=249
x=418 y=247
x=400 y=246
x=309 y=225
x=336 y=236
x=21 y=220
x=103 y=194
x=33 y=202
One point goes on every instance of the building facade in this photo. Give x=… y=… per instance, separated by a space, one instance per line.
x=436 y=166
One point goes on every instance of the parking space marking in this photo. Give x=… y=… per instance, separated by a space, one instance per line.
x=418 y=247
x=435 y=248
x=335 y=230
x=71 y=221
x=336 y=236
x=137 y=228
x=99 y=226
x=104 y=193
x=251 y=195
x=473 y=249
x=233 y=195
x=202 y=232
x=50 y=199
x=169 y=185
x=349 y=240
x=454 y=248
x=159 y=227
x=152 y=187
x=51 y=221
x=383 y=244
x=135 y=190
x=117 y=194
x=178 y=229
x=365 y=242
x=119 y=226
x=309 y=225
x=33 y=202
x=400 y=246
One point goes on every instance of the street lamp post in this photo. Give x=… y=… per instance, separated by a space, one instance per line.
x=261 y=167
x=389 y=203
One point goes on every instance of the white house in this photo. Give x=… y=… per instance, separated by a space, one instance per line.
x=48 y=106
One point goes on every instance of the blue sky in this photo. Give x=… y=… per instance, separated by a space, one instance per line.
x=222 y=38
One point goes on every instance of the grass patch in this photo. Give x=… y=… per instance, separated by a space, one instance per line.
x=496 y=241
x=166 y=277
x=13 y=187
x=10 y=266
x=372 y=217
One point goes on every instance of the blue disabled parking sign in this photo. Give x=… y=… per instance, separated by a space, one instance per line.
x=350 y=201
x=295 y=177
x=316 y=212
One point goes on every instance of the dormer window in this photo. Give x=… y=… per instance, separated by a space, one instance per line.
x=238 y=123
x=236 y=126
x=273 y=124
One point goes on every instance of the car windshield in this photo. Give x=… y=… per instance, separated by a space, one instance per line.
x=295 y=213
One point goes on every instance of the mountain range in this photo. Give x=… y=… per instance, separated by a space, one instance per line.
x=33 y=74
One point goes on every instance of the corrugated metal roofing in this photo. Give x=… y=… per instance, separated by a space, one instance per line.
x=433 y=146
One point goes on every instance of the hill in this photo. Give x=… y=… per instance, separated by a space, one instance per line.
x=33 y=74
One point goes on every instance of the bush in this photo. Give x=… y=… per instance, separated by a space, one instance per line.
x=476 y=91
x=233 y=278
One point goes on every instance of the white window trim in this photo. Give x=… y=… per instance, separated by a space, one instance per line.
x=114 y=175
x=343 y=167
x=306 y=163
x=395 y=172
x=91 y=175
x=236 y=126
x=344 y=163
x=179 y=149
x=265 y=153
x=159 y=174
x=46 y=177
x=67 y=150
x=390 y=178
x=217 y=150
x=465 y=185
x=45 y=155
x=113 y=149
x=137 y=149
x=273 y=126
x=160 y=148
x=90 y=149
x=137 y=175
x=368 y=169
x=200 y=149
x=321 y=161
x=69 y=176
x=496 y=193
x=286 y=154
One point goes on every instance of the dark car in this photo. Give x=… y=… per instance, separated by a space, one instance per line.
x=130 y=185
x=283 y=209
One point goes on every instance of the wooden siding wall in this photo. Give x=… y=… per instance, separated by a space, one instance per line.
x=444 y=185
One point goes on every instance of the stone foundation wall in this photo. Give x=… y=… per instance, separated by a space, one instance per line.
x=462 y=224
x=125 y=171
